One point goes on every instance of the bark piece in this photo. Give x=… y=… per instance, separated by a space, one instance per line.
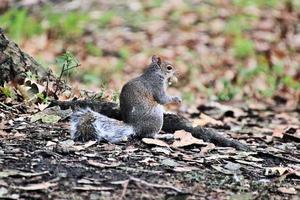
x=14 y=63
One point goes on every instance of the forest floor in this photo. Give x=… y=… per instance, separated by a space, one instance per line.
x=238 y=62
x=39 y=161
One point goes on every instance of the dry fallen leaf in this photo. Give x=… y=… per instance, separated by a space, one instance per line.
x=18 y=135
x=68 y=146
x=276 y=170
x=183 y=138
x=278 y=132
x=42 y=106
x=169 y=162
x=92 y=188
x=205 y=119
x=155 y=142
x=50 y=143
x=207 y=148
x=102 y=165
x=51 y=115
x=86 y=145
x=24 y=91
x=148 y=161
x=13 y=172
x=185 y=169
x=222 y=170
x=3 y=134
x=38 y=186
x=287 y=190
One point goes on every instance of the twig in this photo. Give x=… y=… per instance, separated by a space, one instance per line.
x=47 y=83
x=59 y=78
x=22 y=103
x=8 y=107
x=63 y=70
x=295 y=160
x=272 y=182
x=137 y=180
x=125 y=186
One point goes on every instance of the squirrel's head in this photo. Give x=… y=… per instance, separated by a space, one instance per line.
x=166 y=68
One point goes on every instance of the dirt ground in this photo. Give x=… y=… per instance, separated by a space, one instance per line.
x=223 y=50
x=39 y=161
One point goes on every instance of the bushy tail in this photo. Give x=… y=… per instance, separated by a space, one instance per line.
x=90 y=125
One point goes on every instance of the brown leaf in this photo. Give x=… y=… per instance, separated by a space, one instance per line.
x=86 y=145
x=278 y=132
x=13 y=172
x=205 y=119
x=149 y=161
x=42 y=106
x=38 y=186
x=68 y=146
x=102 y=165
x=185 y=139
x=184 y=169
x=222 y=170
x=3 y=134
x=92 y=188
x=205 y=150
x=287 y=190
x=276 y=170
x=155 y=142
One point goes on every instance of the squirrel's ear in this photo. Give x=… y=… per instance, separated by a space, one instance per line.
x=156 y=59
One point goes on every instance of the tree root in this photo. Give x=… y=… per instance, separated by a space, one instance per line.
x=171 y=124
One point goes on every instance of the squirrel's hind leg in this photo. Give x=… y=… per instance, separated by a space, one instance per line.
x=82 y=128
x=166 y=136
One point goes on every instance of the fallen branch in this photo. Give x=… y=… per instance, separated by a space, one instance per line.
x=153 y=185
x=171 y=124
x=137 y=180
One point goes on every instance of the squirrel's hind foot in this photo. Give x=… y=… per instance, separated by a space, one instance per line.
x=82 y=127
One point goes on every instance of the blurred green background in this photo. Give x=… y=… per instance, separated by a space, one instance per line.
x=223 y=49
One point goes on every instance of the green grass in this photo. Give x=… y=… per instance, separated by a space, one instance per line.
x=96 y=76
x=66 y=25
x=18 y=24
x=92 y=79
x=106 y=18
x=21 y=25
x=66 y=63
x=93 y=50
x=289 y=81
x=188 y=97
x=229 y=91
x=236 y=25
x=8 y=91
x=243 y=48
x=259 y=3
x=124 y=54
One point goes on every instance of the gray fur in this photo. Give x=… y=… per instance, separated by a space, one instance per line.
x=141 y=100
x=141 y=104
x=102 y=128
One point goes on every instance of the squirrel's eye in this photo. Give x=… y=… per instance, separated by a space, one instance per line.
x=169 y=67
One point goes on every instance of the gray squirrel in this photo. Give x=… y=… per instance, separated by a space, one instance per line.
x=141 y=106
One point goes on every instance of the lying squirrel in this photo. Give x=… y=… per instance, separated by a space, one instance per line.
x=141 y=101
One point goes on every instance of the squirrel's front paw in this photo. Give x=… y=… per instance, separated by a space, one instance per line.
x=177 y=100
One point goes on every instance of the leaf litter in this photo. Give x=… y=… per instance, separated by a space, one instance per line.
x=35 y=141
x=47 y=152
